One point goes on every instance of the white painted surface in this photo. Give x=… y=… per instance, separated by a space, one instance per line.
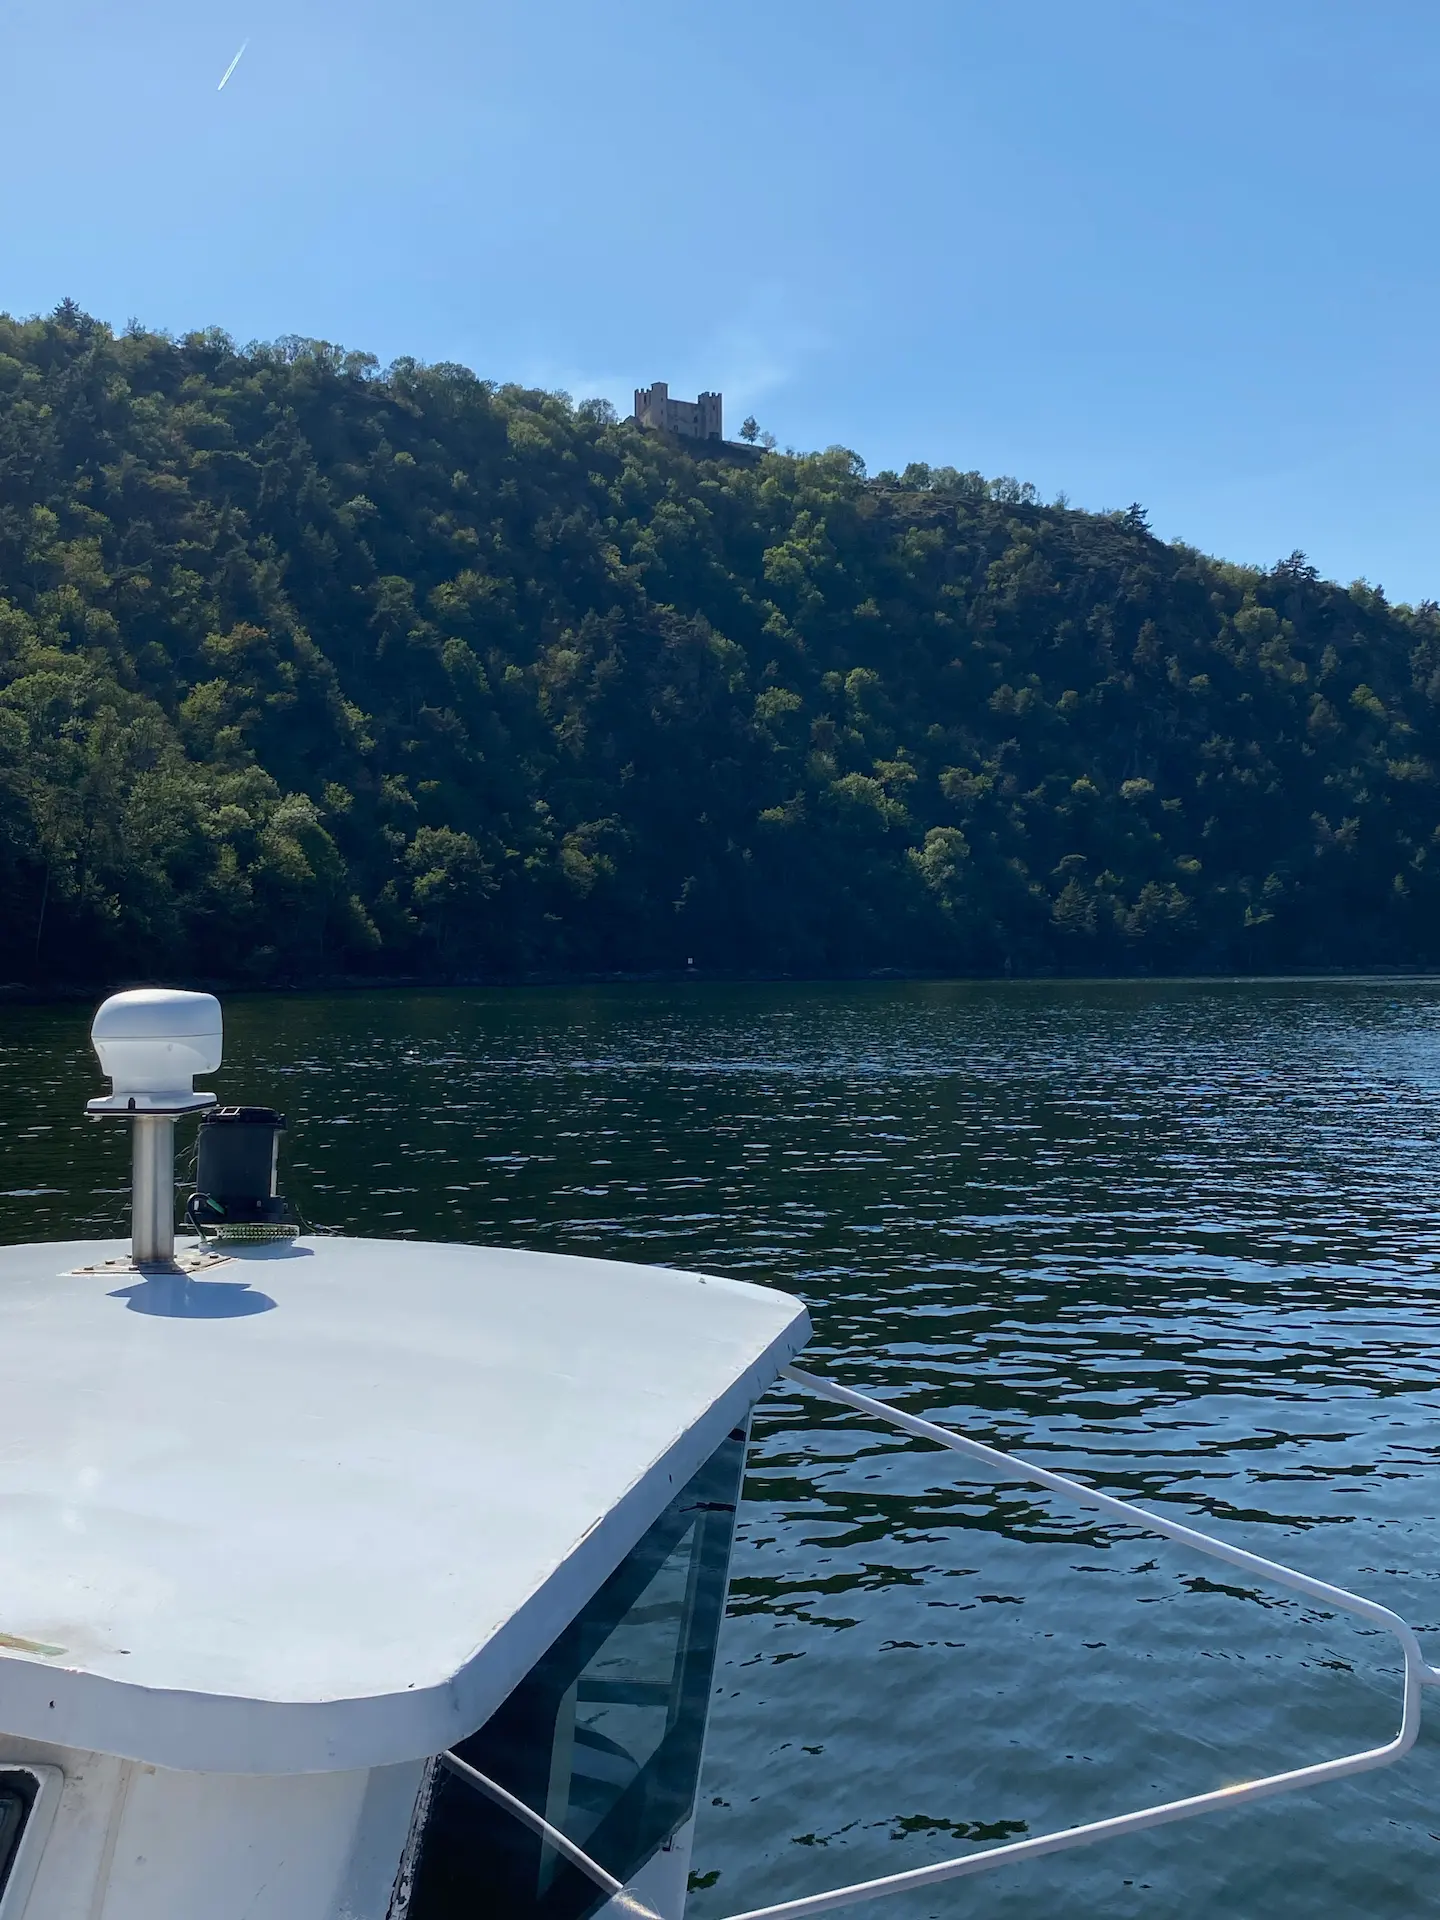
x=243 y=1847
x=78 y=1848
x=661 y=1885
x=132 y=1842
x=332 y=1533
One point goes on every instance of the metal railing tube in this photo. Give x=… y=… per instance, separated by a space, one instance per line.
x=1417 y=1675
x=561 y=1842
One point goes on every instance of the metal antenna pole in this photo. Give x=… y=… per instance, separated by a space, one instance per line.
x=152 y=1188
x=151 y=1042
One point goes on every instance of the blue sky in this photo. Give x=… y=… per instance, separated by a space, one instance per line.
x=1179 y=251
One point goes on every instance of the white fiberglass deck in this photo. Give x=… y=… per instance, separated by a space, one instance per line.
x=324 y=1510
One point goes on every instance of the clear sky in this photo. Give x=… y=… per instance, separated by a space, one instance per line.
x=1179 y=251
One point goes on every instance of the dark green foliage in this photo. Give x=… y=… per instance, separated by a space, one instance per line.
x=308 y=670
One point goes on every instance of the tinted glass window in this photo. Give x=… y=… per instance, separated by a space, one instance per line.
x=603 y=1737
x=17 y=1794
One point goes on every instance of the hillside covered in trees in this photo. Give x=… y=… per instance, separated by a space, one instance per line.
x=309 y=669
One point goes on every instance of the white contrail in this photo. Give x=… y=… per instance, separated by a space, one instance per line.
x=230 y=69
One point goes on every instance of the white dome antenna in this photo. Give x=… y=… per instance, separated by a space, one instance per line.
x=152 y=1042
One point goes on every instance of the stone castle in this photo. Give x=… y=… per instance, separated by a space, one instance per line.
x=691 y=419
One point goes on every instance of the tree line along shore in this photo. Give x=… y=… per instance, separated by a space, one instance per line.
x=312 y=669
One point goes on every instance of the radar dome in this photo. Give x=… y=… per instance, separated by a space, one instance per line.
x=152 y=1041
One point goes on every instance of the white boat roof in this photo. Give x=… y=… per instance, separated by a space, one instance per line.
x=330 y=1514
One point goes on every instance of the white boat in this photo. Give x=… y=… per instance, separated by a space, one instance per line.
x=360 y=1580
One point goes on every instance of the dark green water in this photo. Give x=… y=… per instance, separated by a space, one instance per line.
x=1180 y=1238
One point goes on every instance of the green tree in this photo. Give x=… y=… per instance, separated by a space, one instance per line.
x=310 y=667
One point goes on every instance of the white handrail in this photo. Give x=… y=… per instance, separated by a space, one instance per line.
x=527 y=1816
x=1417 y=1674
x=620 y=1897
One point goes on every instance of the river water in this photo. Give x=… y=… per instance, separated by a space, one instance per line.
x=1180 y=1238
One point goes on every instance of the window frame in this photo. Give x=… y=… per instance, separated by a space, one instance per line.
x=17 y=1876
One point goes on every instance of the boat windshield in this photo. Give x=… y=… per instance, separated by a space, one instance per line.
x=603 y=1736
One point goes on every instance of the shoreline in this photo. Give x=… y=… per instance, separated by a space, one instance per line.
x=21 y=994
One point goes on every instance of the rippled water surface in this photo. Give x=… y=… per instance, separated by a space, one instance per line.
x=1180 y=1238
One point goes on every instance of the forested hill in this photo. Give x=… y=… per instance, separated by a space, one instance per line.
x=312 y=670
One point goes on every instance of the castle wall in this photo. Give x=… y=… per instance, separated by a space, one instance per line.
x=701 y=419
